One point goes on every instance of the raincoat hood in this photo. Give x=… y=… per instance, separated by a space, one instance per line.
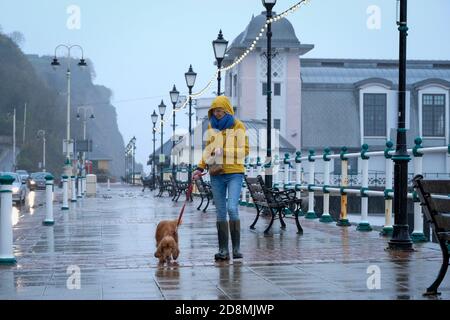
x=221 y=102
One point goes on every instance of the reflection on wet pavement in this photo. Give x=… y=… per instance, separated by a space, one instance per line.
x=110 y=240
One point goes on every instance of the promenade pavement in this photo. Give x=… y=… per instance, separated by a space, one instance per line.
x=103 y=248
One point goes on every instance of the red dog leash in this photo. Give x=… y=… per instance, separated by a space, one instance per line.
x=188 y=197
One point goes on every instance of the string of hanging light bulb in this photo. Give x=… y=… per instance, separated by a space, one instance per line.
x=237 y=61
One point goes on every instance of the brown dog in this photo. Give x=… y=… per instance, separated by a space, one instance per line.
x=167 y=241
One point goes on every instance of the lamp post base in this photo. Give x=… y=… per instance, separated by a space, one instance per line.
x=400 y=239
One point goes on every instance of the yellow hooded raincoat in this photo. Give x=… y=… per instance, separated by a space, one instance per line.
x=233 y=141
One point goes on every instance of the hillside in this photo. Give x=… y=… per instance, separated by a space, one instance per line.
x=30 y=79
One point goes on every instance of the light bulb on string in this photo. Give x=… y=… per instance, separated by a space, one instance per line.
x=251 y=48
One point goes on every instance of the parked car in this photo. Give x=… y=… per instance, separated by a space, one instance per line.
x=37 y=181
x=24 y=175
x=19 y=188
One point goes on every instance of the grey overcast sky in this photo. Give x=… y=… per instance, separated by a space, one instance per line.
x=140 y=48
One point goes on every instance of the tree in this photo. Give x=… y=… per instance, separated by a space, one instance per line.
x=17 y=37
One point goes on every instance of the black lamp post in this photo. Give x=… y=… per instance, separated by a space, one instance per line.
x=162 y=110
x=174 y=95
x=268 y=4
x=154 y=120
x=400 y=235
x=190 y=77
x=220 y=47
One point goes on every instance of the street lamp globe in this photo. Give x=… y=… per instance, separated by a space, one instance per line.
x=162 y=108
x=269 y=3
x=174 y=95
x=92 y=116
x=82 y=63
x=154 y=117
x=220 y=47
x=190 y=77
x=55 y=63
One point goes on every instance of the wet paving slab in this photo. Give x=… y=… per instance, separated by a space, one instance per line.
x=103 y=248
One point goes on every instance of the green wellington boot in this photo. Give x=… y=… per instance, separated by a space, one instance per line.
x=222 y=232
x=235 y=231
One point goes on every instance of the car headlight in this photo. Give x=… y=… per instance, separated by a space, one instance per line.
x=32 y=182
x=15 y=190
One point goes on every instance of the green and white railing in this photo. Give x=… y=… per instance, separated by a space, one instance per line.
x=288 y=173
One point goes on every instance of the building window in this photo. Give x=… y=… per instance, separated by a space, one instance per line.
x=235 y=85
x=277 y=89
x=264 y=88
x=277 y=124
x=433 y=115
x=374 y=114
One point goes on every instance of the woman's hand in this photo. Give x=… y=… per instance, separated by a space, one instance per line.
x=218 y=152
x=197 y=174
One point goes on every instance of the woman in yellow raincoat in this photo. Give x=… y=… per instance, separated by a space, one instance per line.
x=227 y=143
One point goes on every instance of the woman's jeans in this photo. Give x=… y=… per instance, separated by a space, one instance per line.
x=220 y=184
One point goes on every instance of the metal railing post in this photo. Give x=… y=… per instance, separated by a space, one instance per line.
x=343 y=220
x=387 y=228
x=418 y=234
x=364 y=224
x=311 y=214
x=326 y=217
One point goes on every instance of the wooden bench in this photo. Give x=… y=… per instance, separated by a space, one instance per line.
x=164 y=185
x=177 y=188
x=273 y=200
x=147 y=183
x=205 y=192
x=435 y=202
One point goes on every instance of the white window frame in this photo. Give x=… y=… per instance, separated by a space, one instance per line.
x=391 y=108
x=434 y=89
x=373 y=88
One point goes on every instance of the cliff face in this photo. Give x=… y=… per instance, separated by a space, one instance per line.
x=30 y=80
x=86 y=99
x=20 y=85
